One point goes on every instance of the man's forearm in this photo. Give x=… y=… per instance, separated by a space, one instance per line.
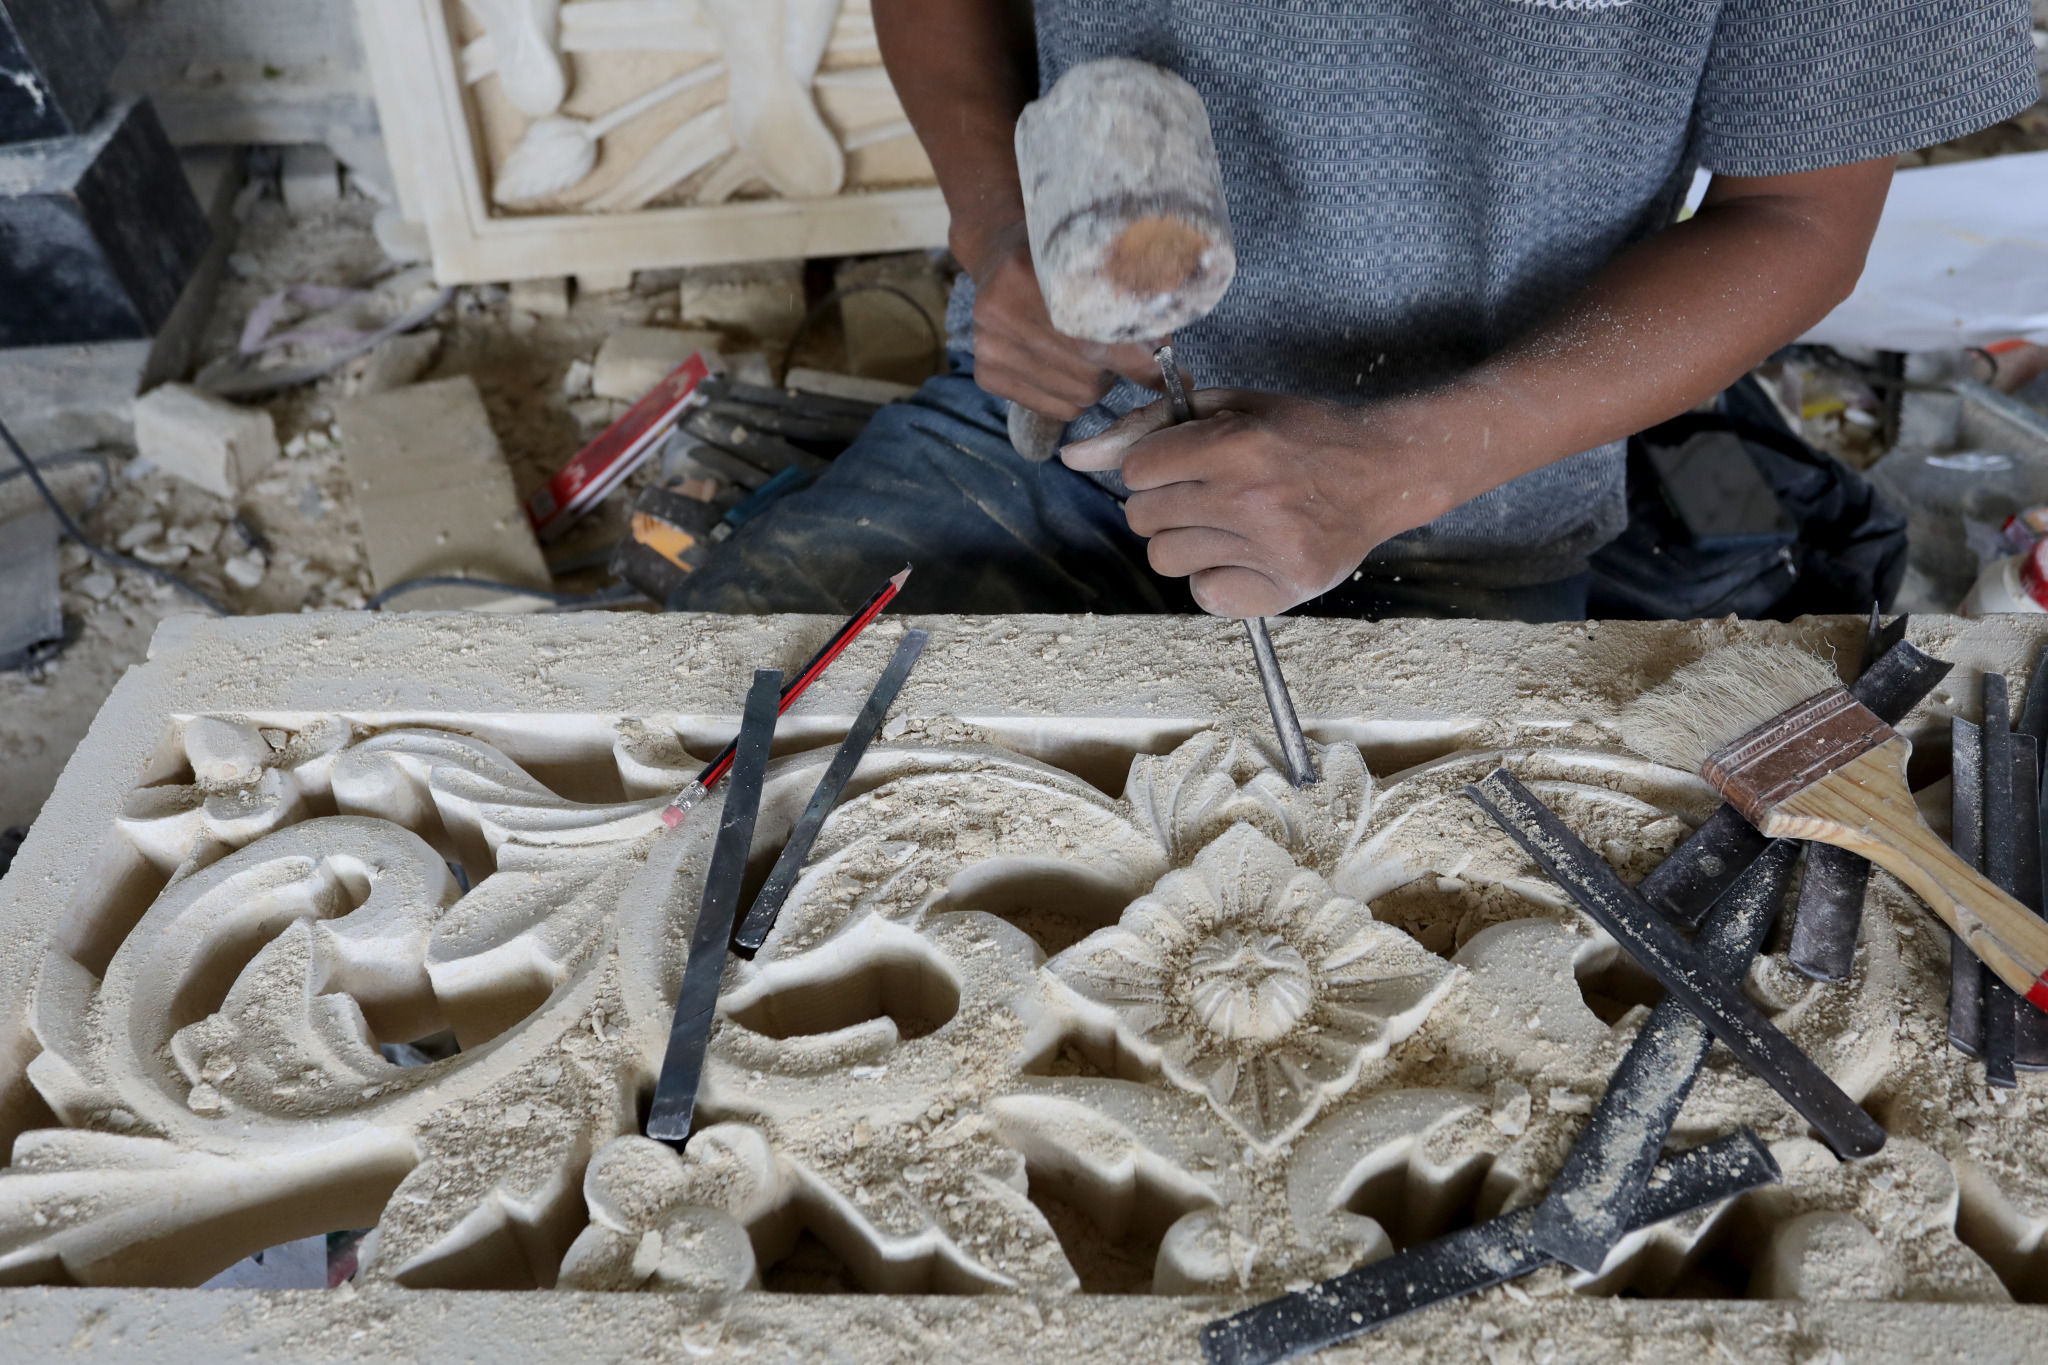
x=1669 y=324
x=962 y=70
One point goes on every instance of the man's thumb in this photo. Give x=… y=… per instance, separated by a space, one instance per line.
x=1107 y=449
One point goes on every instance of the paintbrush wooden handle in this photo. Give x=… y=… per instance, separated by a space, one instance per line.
x=1865 y=806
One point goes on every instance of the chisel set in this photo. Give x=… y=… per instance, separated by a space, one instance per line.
x=1996 y=814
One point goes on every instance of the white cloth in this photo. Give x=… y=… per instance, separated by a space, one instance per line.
x=1960 y=259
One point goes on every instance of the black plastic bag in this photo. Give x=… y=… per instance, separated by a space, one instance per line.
x=1847 y=548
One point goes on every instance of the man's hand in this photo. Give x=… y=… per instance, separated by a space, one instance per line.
x=1018 y=355
x=1265 y=501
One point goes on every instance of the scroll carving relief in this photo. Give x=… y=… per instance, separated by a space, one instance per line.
x=620 y=128
x=1213 y=1034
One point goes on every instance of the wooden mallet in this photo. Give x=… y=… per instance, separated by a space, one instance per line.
x=1123 y=202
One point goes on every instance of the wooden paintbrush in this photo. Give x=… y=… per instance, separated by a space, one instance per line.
x=1777 y=734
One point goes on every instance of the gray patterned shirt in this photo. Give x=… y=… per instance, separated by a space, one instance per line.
x=1416 y=183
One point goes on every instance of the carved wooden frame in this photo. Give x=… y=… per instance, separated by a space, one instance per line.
x=433 y=140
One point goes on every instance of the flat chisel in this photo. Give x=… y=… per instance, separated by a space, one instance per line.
x=753 y=930
x=1592 y=1202
x=675 y=1094
x=1677 y=965
x=1465 y=1262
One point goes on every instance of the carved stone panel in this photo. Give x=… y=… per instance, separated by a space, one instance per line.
x=539 y=137
x=373 y=924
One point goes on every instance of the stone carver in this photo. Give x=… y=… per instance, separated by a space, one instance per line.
x=1464 y=277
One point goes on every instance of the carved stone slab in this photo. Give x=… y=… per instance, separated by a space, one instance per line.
x=552 y=137
x=1078 y=1009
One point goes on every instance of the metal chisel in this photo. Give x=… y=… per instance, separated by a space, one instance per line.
x=675 y=1094
x=753 y=930
x=1677 y=965
x=1465 y=1262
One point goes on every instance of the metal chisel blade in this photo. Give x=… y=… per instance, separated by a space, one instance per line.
x=1301 y=768
x=753 y=930
x=2001 y=1002
x=1829 y=919
x=1698 y=871
x=2030 y=1027
x=682 y=1067
x=1966 y=818
x=1592 y=1203
x=2034 y=711
x=1464 y=1262
x=1654 y=944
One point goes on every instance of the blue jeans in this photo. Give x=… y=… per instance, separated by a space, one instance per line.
x=933 y=483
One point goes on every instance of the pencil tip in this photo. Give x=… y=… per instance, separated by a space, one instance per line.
x=898 y=580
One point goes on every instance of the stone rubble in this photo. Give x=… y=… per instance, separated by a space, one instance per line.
x=209 y=442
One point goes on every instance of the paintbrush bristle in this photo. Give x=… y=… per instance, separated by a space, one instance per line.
x=1721 y=697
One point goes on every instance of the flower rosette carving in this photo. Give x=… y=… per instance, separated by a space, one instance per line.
x=1248 y=981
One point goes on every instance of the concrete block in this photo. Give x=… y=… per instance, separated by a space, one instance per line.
x=543 y=298
x=55 y=58
x=435 y=497
x=206 y=441
x=404 y=241
x=635 y=359
x=895 y=327
x=764 y=301
x=616 y=281
x=101 y=233
x=310 y=178
x=750 y=367
x=395 y=363
x=249 y=72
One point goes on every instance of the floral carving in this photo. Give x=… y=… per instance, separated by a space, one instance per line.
x=1255 y=984
x=994 y=989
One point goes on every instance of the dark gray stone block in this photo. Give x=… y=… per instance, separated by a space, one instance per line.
x=98 y=234
x=55 y=58
x=31 y=612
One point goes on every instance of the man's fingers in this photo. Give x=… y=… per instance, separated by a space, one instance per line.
x=1004 y=365
x=1184 y=550
x=1132 y=360
x=1238 y=592
x=1106 y=450
x=1027 y=393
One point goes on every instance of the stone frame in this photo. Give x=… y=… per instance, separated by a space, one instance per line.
x=1010 y=676
x=433 y=136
